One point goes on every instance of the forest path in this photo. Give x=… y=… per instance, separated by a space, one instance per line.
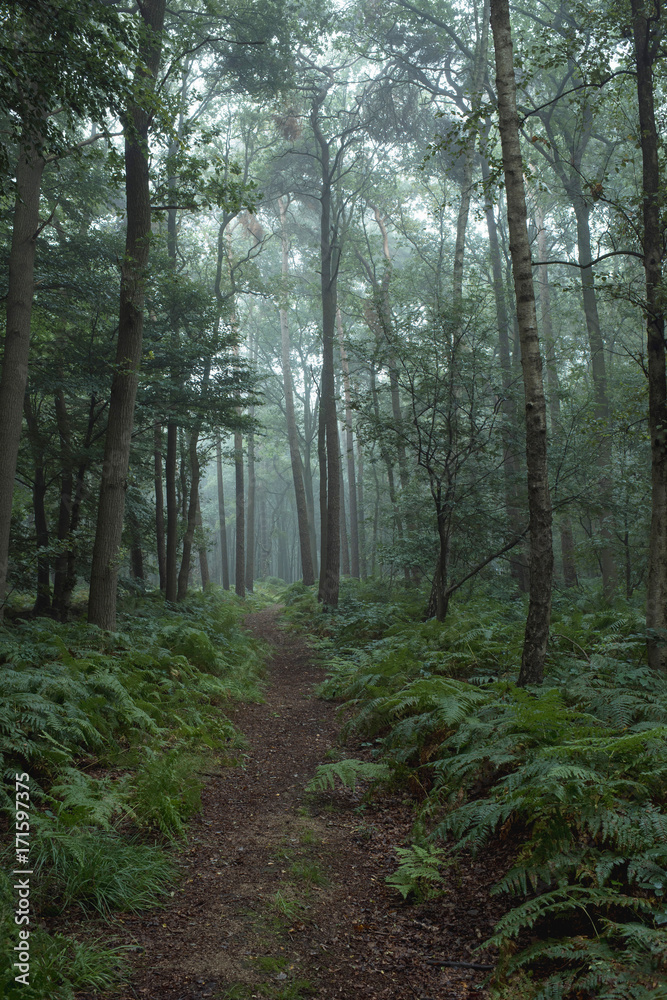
x=284 y=900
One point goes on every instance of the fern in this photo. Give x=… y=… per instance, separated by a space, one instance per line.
x=418 y=871
x=348 y=773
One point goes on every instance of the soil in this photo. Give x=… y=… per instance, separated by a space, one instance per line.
x=283 y=893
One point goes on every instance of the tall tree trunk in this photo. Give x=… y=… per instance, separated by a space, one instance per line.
x=479 y=69
x=307 y=571
x=104 y=572
x=201 y=548
x=18 y=311
x=159 y=507
x=539 y=501
x=66 y=499
x=329 y=475
x=136 y=553
x=349 y=447
x=566 y=536
x=511 y=461
x=603 y=442
x=191 y=522
x=309 y=419
x=363 y=556
x=171 y=561
x=250 y=514
x=648 y=35
x=344 y=546
x=43 y=593
x=240 y=516
x=224 y=559
x=71 y=498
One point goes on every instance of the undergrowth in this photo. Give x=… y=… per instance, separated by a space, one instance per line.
x=114 y=729
x=572 y=775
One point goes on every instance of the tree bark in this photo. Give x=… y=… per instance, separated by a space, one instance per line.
x=250 y=514
x=539 y=501
x=603 y=441
x=191 y=522
x=363 y=558
x=18 y=310
x=71 y=498
x=104 y=572
x=648 y=35
x=171 y=560
x=307 y=571
x=201 y=548
x=224 y=558
x=511 y=460
x=553 y=384
x=43 y=593
x=330 y=474
x=349 y=443
x=240 y=516
x=159 y=508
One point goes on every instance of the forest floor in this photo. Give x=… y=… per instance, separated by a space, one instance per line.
x=283 y=893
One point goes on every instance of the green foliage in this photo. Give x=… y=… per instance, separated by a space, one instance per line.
x=168 y=791
x=418 y=872
x=348 y=773
x=574 y=772
x=98 y=871
x=115 y=730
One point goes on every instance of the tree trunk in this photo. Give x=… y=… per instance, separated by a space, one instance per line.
x=104 y=572
x=511 y=461
x=363 y=558
x=18 y=309
x=240 y=516
x=349 y=442
x=647 y=40
x=344 y=546
x=224 y=559
x=603 y=441
x=307 y=571
x=159 y=508
x=201 y=548
x=539 y=501
x=330 y=473
x=250 y=514
x=191 y=523
x=71 y=498
x=566 y=536
x=43 y=593
x=136 y=553
x=171 y=561
x=309 y=420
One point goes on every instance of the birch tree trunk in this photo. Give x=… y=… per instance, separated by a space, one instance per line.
x=539 y=501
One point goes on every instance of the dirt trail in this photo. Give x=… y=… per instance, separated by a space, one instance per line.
x=284 y=900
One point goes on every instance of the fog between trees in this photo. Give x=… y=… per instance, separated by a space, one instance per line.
x=299 y=292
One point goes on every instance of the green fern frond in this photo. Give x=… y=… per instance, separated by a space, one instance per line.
x=348 y=772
